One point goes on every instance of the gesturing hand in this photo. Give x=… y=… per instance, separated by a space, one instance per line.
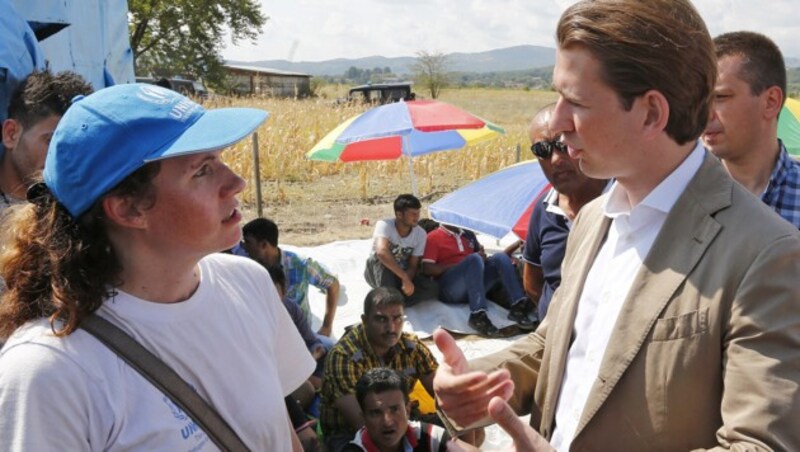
x=524 y=437
x=463 y=395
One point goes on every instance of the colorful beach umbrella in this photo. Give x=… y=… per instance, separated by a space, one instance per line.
x=497 y=204
x=408 y=129
x=789 y=126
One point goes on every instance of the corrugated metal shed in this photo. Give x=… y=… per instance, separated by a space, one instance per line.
x=261 y=81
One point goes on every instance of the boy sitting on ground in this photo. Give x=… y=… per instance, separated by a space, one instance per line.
x=398 y=245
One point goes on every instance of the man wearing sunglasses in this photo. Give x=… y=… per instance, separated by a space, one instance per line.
x=553 y=215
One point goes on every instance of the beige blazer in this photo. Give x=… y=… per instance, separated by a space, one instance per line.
x=706 y=350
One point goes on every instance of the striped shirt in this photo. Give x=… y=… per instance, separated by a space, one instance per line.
x=783 y=190
x=352 y=357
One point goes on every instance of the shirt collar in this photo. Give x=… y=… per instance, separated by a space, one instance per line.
x=551 y=203
x=779 y=172
x=453 y=233
x=456 y=235
x=409 y=440
x=664 y=196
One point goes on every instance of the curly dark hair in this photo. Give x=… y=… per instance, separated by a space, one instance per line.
x=60 y=268
x=43 y=94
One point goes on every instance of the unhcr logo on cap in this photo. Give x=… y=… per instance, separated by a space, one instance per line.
x=157 y=95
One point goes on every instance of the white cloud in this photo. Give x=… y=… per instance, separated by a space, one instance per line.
x=322 y=29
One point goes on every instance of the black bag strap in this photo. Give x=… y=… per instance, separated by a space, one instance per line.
x=166 y=380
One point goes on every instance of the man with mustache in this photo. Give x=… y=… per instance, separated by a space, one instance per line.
x=378 y=341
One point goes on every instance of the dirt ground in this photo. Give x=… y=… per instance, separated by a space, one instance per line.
x=315 y=203
x=311 y=213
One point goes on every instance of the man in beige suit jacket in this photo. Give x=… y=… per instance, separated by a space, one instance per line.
x=677 y=324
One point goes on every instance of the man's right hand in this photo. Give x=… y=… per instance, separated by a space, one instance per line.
x=407 y=287
x=463 y=395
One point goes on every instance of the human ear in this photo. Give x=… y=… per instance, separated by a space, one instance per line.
x=656 y=111
x=773 y=99
x=124 y=211
x=12 y=131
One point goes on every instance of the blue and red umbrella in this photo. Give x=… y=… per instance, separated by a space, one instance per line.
x=497 y=204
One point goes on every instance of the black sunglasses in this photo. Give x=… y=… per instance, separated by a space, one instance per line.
x=544 y=149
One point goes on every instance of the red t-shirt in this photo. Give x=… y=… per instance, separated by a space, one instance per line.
x=442 y=247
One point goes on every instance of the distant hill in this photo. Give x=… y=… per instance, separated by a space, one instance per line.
x=791 y=62
x=517 y=58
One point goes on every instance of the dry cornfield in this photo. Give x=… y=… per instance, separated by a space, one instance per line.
x=318 y=202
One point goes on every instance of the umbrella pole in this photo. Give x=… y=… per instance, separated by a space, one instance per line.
x=410 y=166
x=413 y=178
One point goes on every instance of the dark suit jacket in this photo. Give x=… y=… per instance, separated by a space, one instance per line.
x=706 y=349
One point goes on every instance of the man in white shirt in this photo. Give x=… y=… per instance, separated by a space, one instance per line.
x=398 y=245
x=677 y=324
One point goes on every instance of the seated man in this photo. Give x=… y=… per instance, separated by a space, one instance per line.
x=260 y=240
x=464 y=273
x=383 y=397
x=299 y=402
x=315 y=345
x=378 y=341
x=396 y=251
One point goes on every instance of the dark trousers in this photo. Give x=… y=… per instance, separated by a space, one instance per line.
x=377 y=275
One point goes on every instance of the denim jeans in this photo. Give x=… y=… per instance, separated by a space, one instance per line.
x=468 y=281
x=377 y=275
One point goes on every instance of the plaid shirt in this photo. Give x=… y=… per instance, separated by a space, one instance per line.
x=352 y=356
x=299 y=274
x=783 y=189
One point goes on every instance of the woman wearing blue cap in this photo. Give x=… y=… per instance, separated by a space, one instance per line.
x=134 y=205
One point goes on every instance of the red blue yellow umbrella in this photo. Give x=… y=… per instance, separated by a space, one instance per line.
x=409 y=128
x=789 y=126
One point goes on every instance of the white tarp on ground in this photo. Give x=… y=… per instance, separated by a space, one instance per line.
x=346 y=259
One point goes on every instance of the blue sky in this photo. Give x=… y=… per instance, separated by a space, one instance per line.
x=315 y=30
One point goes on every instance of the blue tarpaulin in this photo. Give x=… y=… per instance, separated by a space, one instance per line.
x=93 y=42
x=19 y=53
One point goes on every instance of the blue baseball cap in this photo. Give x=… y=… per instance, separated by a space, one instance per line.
x=106 y=136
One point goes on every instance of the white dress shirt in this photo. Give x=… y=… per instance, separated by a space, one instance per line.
x=630 y=237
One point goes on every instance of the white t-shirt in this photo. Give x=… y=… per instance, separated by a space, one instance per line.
x=233 y=341
x=402 y=248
